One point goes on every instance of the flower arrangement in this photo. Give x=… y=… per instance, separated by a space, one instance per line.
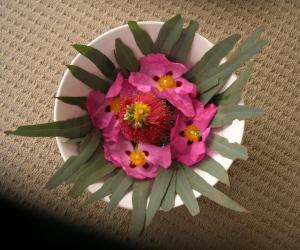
x=149 y=124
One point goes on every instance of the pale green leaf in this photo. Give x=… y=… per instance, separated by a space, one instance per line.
x=223 y=147
x=168 y=201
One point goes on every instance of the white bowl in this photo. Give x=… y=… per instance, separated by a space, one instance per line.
x=70 y=86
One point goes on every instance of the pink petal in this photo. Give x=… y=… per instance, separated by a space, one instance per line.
x=179 y=146
x=116 y=87
x=159 y=65
x=141 y=81
x=185 y=87
x=160 y=156
x=112 y=131
x=128 y=89
x=181 y=102
x=204 y=117
x=194 y=154
x=141 y=172
x=95 y=99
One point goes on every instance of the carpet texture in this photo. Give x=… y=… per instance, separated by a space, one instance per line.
x=35 y=44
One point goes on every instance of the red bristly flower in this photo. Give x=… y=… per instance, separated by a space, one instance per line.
x=145 y=118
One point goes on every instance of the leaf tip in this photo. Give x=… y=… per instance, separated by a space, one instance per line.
x=8 y=132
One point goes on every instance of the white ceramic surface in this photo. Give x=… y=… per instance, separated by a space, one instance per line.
x=70 y=86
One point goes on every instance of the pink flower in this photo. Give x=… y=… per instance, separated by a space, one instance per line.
x=164 y=78
x=188 y=135
x=104 y=110
x=140 y=161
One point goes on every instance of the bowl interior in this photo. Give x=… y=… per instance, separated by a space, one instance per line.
x=70 y=86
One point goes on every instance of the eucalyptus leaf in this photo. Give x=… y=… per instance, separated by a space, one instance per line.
x=209 y=165
x=74 y=140
x=95 y=169
x=74 y=164
x=71 y=128
x=106 y=188
x=89 y=79
x=222 y=72
x=126 y=57
x=76 y=100
x=85 y=141
x=119 y=192
x=142 y=38
x=200 y=185
x=168 y=201
x=212 y=57
x=158 y=191
x=232 y=94
x=226 y=114
x=183 y=45
x=185 y=191
x=168 y=35
x=230 y=150
x=140 y=193
x=103 y=63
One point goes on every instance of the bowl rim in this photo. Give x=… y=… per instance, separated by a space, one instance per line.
x=77 y=57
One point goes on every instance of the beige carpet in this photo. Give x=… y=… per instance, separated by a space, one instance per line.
x=35 y=44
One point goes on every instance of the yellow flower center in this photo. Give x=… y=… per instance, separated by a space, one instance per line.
x=137 y=113
x=192 y=133
x=115 y=105
x=137 y=158
x=166 y=82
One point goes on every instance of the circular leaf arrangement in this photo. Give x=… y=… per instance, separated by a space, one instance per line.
x=152 y=120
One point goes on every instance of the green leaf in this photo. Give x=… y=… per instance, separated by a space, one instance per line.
x=118 y=192
x=125 y=57
x=232 y=94
x=105 y=190
x=103 y=63
x=76 y=100
x=206 y=96
x=71 y=128
x=200 y=185
x=142 y=38
x=95 y=169
x=159 y=189
x=89 y=79
x=248 y=41
x=74 y=164
x=85 y=141
x=185 y=191
x=226 y=114
x=168 y=201
x=212 y=57
x=74 y=140
x=140 y=193
x=183 y=45
x=123 y=70
x=230 y=150
x=168 y=35
x=209 y=165
x=222 y=72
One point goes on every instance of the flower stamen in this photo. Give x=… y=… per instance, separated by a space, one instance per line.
x=192 y=133
x=165 y=82
x=137 y=158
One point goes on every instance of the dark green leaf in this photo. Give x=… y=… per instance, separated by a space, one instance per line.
x=140 y=193
x=142 y=38
x=169 y=198
x=106 y=189
x=168 y=35
x=222 y=72
x=76 y=100
x=89 y=79
x=74 y=164
x=125 y=57
x=223 y=147
x=123 y=70
x=159 y=189
x=96 y=168
x=183 y=45
x=118 y=192
x=215 y=169
x=212 y=57
x=103 y=63
x=199 y=184
x=185 y=191
x=226 y=114
x=232 y=94
x=71 y=128
x=74 y=140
